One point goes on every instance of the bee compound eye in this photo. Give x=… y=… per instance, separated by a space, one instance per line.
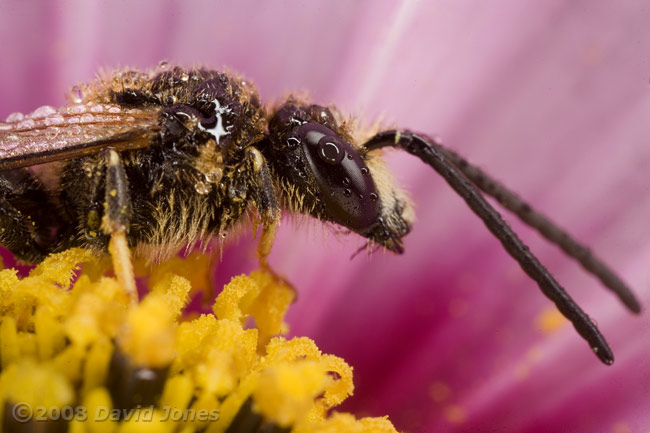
x=347 y=190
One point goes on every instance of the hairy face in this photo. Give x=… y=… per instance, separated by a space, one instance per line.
x=322 y=172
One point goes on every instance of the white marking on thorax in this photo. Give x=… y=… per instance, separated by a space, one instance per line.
x=218 y=130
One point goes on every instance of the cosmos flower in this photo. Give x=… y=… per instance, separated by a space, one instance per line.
x=551 y=98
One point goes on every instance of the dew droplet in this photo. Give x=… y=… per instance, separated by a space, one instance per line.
x=330 y=152
x=116 y=83
x=349 y=156
x=201 y=188
x=26 y=124
x=346 y=181
x=224 y=235
x=52 y=132
x=55 y=119
x=43 y=111
x=163 y=64
x=15 y=117
x=76 y=109
x=292 y=142
x=347 y=192
x=76 y=95
x=170 y=99
x=373 y=196
x=361 y=196
x=185 y=77
x=364 y=171
x=214 y=176
x=87 y=118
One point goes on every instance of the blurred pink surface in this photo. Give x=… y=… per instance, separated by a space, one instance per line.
x=552 y=98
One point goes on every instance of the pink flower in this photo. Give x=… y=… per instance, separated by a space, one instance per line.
x=550 y=98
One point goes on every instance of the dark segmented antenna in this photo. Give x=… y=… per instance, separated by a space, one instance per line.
x=546 y=228
x=432 y=154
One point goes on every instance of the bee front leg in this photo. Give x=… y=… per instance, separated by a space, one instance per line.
x=266 y=203
x=117 y=205
x=269 y=210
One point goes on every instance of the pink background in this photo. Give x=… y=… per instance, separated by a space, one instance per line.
x=551 y=97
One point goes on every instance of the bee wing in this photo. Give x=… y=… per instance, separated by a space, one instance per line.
x=48 y=134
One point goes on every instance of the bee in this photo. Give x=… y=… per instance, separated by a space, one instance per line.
x=153 y=161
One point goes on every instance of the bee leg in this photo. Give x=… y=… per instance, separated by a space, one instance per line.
x=116 y=221
x=26 y=221
x=431 y=153
x=266 y=203
x=269 y=210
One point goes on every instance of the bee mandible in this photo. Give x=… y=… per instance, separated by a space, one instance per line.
x=153 y=161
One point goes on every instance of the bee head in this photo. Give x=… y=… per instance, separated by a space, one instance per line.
x=321 y=172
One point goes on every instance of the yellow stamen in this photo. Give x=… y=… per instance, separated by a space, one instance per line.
x=65 y=346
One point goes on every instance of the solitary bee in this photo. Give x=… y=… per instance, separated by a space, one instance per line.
x=153 y=161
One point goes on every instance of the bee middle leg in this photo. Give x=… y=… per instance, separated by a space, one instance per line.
x=116 y=220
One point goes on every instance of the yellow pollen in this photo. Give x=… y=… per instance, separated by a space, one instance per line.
x=550 y=320
x=621 y=427
x=455 y=414
x=61 y=342
x=439 y=391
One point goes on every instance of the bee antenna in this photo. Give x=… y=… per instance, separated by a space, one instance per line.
x=433 y=155
x=546 y=228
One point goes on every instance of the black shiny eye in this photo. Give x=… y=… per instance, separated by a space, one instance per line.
x=343 y=179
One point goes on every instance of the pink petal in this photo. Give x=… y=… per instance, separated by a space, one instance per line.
x=551 y=98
